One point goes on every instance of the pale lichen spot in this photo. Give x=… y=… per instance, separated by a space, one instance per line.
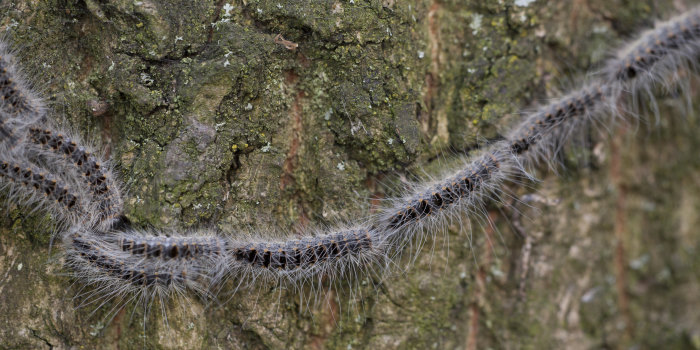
x=146 y=79
x=476 y=23
x=523 y=3
x=227 y=10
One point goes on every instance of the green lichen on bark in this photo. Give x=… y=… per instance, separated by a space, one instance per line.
x=214 y=121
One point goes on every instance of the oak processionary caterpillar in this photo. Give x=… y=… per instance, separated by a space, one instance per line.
x=54 y=171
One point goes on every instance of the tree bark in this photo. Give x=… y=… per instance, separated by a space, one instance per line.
x=280 y=116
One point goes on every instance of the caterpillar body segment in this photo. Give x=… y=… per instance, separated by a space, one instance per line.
x=169 y=247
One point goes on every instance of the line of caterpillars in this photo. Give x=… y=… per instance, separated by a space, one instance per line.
x=289 y=255
x=15 y=105
x=480 y=172
x=651 y=49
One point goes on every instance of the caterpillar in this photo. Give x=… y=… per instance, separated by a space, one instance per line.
x=90 y=256
x=17 y=96
x=540 y=135
x=670 y=43
x=38 y=186
x=118 y=264
x=94 y=171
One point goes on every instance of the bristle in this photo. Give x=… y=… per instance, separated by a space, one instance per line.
x=8 y=134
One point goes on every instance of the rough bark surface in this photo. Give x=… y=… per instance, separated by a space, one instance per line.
x=216 y=121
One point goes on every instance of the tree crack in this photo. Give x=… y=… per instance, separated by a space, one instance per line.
x=35 y=334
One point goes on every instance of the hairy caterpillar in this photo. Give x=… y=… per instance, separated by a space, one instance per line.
x=17 y=97
x=100 y=264
x=482 y=175
x=101 y=184
x=420 y=206
x=38 y=186
x=670 y=43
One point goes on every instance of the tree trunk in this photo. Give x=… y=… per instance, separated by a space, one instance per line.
x=280 y=116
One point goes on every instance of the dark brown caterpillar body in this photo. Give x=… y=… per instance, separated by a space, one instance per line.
x=39 y=182
x=173 y=247
x=12 y=99
x=304 y=253
x=655 y=46
x=450 y=191
x=99 y=180
x=539 y=124
x=139 y=275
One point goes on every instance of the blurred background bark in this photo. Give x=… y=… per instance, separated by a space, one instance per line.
x=275 y=115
